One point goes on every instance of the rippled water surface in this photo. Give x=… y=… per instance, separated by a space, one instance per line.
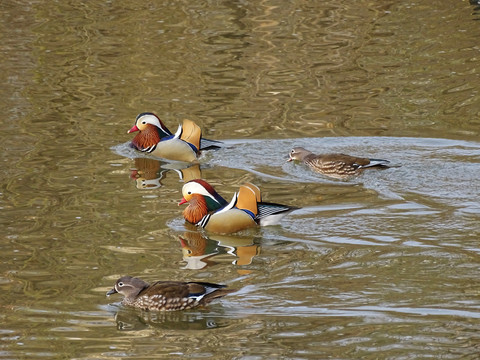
x=381 y=266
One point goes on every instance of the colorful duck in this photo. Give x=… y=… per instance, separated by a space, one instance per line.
x=338 y=166
x=154 y=138
x=166 y=295
x=206 y=208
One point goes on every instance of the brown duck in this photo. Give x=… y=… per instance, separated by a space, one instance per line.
x=338 y=166
x=166 y=295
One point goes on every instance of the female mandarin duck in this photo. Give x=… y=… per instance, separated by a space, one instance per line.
x=338 y=166
x=166 y=295
x=154 y=138
x=206 y=208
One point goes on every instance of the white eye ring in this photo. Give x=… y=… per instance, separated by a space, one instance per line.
x=120 y=284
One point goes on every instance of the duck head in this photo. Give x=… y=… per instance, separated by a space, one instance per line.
x=144 y=120
x=128 y=286
x=298 y=153
x=201 y=198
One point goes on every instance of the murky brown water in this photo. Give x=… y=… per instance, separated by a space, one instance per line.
x=382 y=266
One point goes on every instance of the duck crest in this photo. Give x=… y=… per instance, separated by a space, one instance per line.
x=156 y=122
x=212 y=204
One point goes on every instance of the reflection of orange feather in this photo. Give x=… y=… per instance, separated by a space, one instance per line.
x=146 y=138
x=149 y=168
x=196 y=209
x=194 y=243
x=246 y=254
x=191 y=173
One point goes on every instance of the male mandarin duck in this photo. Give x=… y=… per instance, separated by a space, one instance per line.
x=166 y=295
x=206 y=208
x=154 y=138
x=338 y=166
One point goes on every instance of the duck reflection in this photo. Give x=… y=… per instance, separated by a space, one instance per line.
x=200 y=251
x=149 y=173
x=134 y=319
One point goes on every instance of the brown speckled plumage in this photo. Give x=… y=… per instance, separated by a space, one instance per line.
x=166 y=295
x=335 y=165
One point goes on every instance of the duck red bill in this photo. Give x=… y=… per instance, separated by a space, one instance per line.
x=183 y=201
x=133 y=129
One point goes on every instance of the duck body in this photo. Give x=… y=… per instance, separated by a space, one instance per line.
x=166 y=295
x=154 y=138
x=207 y=209
x=338 y=166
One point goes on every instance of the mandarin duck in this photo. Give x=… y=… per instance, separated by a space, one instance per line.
x=154 y=138
x=206 y=208
x=166 y=295
x=338 y=166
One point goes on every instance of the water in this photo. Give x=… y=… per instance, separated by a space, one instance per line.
x=385 y=265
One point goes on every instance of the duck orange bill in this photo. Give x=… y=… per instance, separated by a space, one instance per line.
x=183 y=201
x=133 y=129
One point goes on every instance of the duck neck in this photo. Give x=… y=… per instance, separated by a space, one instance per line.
x=148 y=137
x=197 y=208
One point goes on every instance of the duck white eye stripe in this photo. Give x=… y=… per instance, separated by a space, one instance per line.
x=150 y=119
x=196 y=188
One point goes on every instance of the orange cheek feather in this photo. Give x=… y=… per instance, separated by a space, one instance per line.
x=196 y=209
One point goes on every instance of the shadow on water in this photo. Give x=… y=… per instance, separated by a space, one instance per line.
x=129 y=319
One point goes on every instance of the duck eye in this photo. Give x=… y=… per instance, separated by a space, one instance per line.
x=291 y=152
x=120 y=284
x=189 y=192
x=144 y=122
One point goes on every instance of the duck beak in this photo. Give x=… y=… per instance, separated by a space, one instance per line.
x=111 y=292
x=289 y=159
x=183 y=201
x=133 y=129
x=183 y=243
